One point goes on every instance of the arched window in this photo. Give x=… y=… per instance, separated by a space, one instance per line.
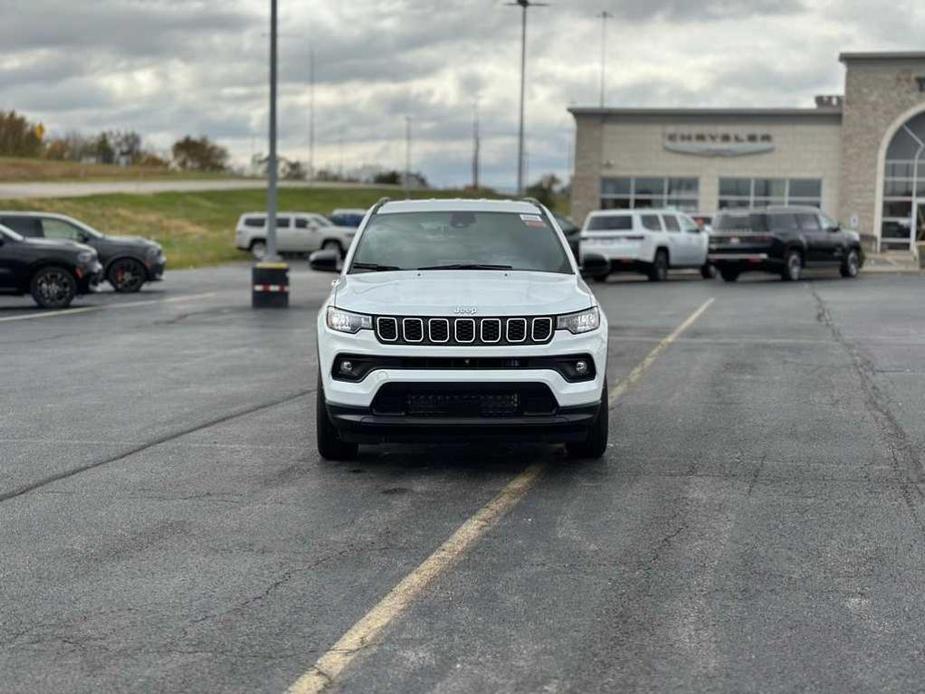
x=904 y=186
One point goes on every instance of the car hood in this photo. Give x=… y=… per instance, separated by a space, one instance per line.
x=130 y=240
x=441 y=292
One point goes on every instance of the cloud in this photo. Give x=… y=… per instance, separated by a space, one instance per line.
x=171 y=67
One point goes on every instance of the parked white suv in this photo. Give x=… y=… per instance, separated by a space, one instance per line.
x=647 y=241
x=460 y=318
x=296 y=233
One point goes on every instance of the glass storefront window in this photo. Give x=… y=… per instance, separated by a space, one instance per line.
x=805 y=188
x=650 y=191
x=771 y=187
x=761 y=192
x=898 y=187
x=897 y=208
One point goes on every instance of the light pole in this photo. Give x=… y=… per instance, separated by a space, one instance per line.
x=476 y=145
x=605 y=15
x=311 y=115
x=271 y=161
x=407 y=156
x=270 y=276
x=524 y=5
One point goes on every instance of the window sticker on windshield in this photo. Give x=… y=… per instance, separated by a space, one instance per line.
x=533 y=220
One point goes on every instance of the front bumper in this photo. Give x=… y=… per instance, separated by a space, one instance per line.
x=88 y=277
x=362 y=425
x=156 y=268
x=361 y=394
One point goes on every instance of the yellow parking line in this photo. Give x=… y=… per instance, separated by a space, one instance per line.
x=109 y=307
x=637 y=373
x=368 y=629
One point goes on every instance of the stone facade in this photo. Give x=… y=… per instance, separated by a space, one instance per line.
x=881 y=93
x=842 y=144
x=806 y=144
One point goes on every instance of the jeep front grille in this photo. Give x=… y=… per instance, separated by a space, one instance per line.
x=460 y=332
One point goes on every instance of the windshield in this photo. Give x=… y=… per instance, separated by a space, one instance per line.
x=10 y=234
x=460 y=241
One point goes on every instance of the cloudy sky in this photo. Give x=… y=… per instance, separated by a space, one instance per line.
x=167 y=68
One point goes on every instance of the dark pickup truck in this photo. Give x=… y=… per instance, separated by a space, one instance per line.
x=783 y=241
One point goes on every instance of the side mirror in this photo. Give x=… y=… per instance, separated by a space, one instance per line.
x=594 y=264
x=835 y=229
x=324 y=261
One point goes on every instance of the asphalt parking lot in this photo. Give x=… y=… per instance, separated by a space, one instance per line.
x=757 y=524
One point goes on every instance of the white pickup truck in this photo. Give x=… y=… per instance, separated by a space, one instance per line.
x=297 y=233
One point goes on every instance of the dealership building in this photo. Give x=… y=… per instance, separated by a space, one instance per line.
x=859 y=156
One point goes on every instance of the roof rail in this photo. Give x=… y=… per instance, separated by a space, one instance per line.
x=375 y=208
x=533 y=201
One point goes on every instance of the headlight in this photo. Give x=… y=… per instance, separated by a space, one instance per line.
x=85 y=257
x=581 y=322
x=153 y=251
x=346 y=322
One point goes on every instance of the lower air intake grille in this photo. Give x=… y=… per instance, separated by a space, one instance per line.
x=464 y=400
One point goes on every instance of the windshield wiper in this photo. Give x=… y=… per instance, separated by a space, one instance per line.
x=467 y=266
x=374 y=267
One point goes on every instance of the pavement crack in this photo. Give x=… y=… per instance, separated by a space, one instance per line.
x=25 y=489
x=904 y=459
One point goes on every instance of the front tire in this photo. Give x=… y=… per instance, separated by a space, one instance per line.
x=851 y=265
x=330 y=445
x=53 y=287
x=659 y=270
x=332 y=245
x=729 y=275
x=793 y=267
x=126 y=275
x=259 y=249
x=595 y=445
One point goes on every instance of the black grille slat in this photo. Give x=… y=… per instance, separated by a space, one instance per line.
x=516 y=330
x=465 y=331
x=491 y=330
x=541 y=329
x=439 y=330
x=413 y=329
x=387 y=328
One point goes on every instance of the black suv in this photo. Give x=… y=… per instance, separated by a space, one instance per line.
x=128 y=261
x=54 y=272
x=781 y=240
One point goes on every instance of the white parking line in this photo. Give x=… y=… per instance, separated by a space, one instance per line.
x=108 y=307
x=399 y=599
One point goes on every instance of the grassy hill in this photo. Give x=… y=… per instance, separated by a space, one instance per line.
x=13 y=170
x=197 y=229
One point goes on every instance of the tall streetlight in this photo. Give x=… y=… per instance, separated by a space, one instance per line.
x=270 y=277
x=407 y=156
x=271 y=161
x=476 y=145
x=524 y=5
x=311 y=115
x=605 y=15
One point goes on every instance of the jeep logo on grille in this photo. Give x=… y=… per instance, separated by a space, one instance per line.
x=465 y=310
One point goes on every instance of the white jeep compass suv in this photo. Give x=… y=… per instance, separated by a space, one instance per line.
x=646 y=241
x=460 y=319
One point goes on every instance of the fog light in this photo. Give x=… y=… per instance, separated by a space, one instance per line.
x=346 y=367
x=581 y=367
